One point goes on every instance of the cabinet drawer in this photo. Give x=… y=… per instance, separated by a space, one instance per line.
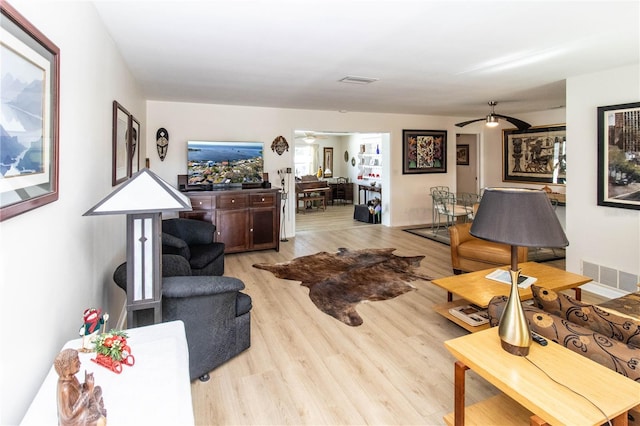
x=201 y=203
x=263 y=200
x=232 y=201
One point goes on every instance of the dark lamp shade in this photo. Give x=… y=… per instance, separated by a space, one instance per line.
x=518 y=217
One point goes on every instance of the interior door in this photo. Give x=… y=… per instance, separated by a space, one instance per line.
x=467 y=166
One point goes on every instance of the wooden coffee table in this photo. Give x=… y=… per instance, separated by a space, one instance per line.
x=477 y=290
x=528 y=395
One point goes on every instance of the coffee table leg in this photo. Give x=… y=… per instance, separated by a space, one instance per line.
x=621 y=420
x=578 y=293
x=458 y=378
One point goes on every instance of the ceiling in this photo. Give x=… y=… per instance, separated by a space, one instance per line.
x=430 y=57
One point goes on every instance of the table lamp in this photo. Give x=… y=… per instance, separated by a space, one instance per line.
x=518 y=217
x=143 y=198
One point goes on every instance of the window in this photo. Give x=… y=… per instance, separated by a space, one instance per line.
x=304 y=160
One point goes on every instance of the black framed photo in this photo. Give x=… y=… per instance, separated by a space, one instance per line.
x=424 y=151
x=29 y=92
x=462 y=155
x=619 y=156
x=121 y=166
x=133 y=140
x=536 y=155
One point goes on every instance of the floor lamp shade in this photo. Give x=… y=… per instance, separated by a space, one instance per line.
x=143 y=198
x=518 y=217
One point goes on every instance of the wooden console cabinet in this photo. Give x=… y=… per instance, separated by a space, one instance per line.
x=245 y=219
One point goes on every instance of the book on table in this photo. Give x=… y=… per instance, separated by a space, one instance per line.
x=503 y=276
x=470 y=314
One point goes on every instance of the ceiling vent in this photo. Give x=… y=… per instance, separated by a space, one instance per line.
x=357 y=80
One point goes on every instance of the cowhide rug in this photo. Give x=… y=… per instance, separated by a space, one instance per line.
x=339 y=281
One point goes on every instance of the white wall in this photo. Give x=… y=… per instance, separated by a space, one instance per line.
x=605 y=236
x=409 y=194
x=54 y=263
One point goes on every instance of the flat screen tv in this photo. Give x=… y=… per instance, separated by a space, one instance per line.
x=224 y=163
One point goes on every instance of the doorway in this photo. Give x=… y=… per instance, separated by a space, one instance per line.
x=357 y=156
x=467 y=163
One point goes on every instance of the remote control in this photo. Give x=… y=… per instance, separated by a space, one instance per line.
x=538 y=339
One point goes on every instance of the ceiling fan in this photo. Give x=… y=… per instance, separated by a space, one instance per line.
x=310 y=137
x=492 y=119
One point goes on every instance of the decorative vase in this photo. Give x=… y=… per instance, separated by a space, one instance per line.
x=319 y=174
x=377 y=149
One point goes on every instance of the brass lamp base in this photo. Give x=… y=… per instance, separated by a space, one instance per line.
x=514 y=330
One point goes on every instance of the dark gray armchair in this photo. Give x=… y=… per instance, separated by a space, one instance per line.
x=216 y=314
x=194 y=240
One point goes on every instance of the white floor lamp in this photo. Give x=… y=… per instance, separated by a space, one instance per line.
x=143 y=198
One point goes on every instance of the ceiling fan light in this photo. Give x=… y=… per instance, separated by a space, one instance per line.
x=492 y=120
x=309 y=139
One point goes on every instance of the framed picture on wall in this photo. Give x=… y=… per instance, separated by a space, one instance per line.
x=462 y=155
x=134 y=145
x=121 y=167
x=618 y=156
x=29 y=92
x=328 y=162
x=424 y=151
x=535 y=155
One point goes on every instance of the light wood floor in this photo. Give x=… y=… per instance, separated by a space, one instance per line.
x=306 y=368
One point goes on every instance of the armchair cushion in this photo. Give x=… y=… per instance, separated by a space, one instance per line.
x=204 y=254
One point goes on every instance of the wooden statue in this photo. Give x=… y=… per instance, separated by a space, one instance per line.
x=78 y=404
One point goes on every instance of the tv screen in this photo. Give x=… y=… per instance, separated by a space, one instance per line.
x=218 y=162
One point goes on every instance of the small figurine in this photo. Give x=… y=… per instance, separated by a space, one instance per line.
x=93 y=321
x=78 y=404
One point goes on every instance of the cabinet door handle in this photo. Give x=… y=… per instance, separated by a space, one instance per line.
x=233 y=201
x=251 y=230
x=262 y=199
x=218 y=232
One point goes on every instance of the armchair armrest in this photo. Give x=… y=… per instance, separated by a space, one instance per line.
x=199 y=285
x=174 y=245
x=460 y=233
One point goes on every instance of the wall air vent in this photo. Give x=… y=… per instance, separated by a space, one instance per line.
x=357 y=80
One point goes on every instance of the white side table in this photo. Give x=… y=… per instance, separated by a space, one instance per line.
x=156 y=390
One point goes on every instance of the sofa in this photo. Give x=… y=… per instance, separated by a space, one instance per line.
x=215 y=312
x=607 y=338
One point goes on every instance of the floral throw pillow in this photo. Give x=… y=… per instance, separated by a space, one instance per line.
x=621 y=328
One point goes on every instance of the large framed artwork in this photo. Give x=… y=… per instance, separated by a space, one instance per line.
x=536 y=155
x=424 y=151
x=121 y=167
x=29 y=92
x=619 y=156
